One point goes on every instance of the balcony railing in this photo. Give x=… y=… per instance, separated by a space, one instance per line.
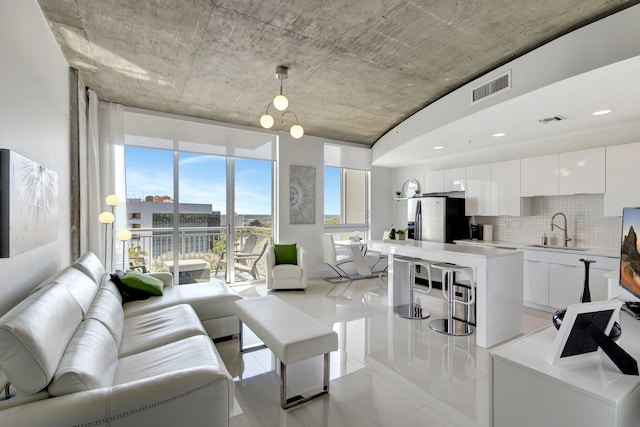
x=201 y=251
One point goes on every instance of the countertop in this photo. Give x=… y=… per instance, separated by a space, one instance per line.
x=484 y=251
x=610 y=253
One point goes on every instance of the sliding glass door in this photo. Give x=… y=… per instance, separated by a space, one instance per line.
x=197 y=234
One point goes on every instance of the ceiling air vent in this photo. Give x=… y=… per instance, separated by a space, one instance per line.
x=491 y=88
x=548 y=120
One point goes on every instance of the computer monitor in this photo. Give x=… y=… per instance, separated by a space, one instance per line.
x=629 y=255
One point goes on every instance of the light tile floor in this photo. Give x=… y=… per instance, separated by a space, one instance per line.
x=388 y=371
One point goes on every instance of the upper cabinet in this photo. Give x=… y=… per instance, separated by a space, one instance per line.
x=434 y=182
x=539 y=176
x=478 y=190
x=621 y=176
x=454 y=179
x=582 y=172
x=505 y=188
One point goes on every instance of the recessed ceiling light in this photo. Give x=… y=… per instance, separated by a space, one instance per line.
x=601 y=112
x=499 y=134
x=439 y=147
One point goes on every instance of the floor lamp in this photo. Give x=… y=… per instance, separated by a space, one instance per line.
x=106 y=218
x=124 y=235
x=113 y=201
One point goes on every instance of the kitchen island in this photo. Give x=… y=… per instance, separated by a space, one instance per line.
x=499 y=282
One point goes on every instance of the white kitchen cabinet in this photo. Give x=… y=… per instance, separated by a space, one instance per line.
x=536 y=283
x=566 y=283
x=434 y=182
x=539 y=176
x=454 y=179
x=582 y=172
x=478 y=190
x=621 y=176
x=505 y=188
x=554 y=279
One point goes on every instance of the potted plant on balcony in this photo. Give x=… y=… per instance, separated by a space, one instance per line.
x=417 y=193
x=392 y=234
x=401 y=234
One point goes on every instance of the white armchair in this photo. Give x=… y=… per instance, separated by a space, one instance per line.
x=286 y=276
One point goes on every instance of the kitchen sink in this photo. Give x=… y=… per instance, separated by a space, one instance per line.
x=564 y=248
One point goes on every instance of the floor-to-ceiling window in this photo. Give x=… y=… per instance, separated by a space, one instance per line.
x=199 y=198
x=346 y=191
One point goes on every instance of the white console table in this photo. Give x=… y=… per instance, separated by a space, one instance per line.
x=529 y=392
x=499 y=282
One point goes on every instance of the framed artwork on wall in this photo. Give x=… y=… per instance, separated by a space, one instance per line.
x=28 y=204
x=302 y=194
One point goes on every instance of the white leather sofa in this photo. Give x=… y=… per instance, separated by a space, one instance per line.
x=74 y=355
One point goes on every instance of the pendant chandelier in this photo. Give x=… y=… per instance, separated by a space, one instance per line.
x=280 y=103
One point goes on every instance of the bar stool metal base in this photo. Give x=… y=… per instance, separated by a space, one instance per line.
x=451 y=327
x=410 y=311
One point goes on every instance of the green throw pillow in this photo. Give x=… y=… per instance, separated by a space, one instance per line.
x=143 y=282
x=286 y=254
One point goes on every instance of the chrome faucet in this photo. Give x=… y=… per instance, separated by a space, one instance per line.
x=566 y=238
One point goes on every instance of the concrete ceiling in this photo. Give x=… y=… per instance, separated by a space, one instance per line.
x=357 y=68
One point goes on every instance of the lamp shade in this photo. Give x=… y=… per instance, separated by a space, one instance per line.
x=106 y=218
x=296 y=131
x=280 y=102
x=266 y=121
x=124 y=235
x=112 y=200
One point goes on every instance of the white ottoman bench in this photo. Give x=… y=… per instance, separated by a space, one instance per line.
x=291 y=334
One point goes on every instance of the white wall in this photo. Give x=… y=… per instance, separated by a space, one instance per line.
x=308 y=151
x=382 y=191
x=34 y=122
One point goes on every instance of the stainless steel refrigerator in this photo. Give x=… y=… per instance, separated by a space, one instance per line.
x=437 y=219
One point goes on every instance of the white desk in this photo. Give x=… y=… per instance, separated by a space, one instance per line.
x=356 y=253
x=587 y=391
x=499 y=282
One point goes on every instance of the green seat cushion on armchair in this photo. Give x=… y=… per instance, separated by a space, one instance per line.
x=143 y=282
x=286 y=254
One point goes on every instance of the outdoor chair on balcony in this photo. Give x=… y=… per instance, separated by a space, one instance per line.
x=247 y=248
x=246 y=261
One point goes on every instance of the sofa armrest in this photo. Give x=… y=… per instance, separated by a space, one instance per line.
x=165 y=276
x=201 y=395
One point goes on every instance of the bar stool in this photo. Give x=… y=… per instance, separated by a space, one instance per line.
x=451 y=325
x=413 y=310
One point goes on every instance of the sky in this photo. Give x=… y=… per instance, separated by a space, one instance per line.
x=202 y=179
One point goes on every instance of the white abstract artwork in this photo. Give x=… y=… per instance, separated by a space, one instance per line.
x=302 y=194
x=28 y=204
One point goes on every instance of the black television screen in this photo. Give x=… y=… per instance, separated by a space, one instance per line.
x=629 y=255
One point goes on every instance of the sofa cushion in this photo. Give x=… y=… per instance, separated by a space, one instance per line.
x=143 y=282
x=286 y=271
x=127 y=293
x=107 y=309
x=185 y=354
x=90 y=264
x=34 y=335
x=285 y=254
x=89 y=362
x=149 y=330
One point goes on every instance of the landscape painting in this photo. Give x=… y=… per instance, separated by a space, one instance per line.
x=629 y=255
x=28 y=204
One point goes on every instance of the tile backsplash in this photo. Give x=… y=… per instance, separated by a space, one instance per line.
x=586 y=223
